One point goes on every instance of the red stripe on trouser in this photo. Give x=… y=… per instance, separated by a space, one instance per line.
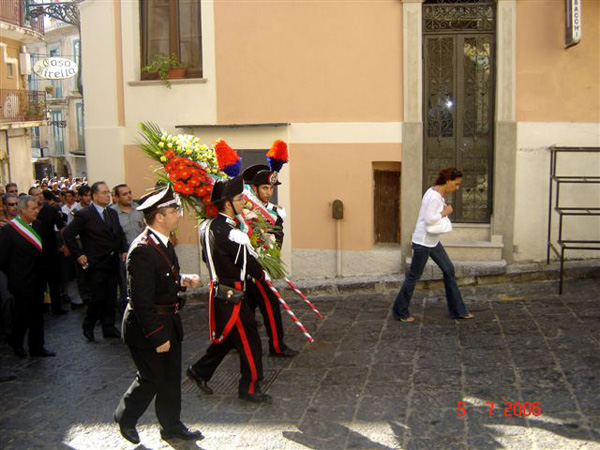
x=274 y=332
x=249 y=357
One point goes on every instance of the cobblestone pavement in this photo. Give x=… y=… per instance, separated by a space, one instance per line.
x=368 y=382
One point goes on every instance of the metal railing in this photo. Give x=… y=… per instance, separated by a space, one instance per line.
x=13 y=11
x=19 y=105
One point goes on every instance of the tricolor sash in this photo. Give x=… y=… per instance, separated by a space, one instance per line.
x=25 y=230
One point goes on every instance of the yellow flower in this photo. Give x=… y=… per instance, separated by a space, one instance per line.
x=161 y=144
x=170 y=145
x=188 y=152
x=163 y=159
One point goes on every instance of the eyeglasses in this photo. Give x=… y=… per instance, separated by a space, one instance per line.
x=12 y=204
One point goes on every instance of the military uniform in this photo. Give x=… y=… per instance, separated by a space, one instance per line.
x=151 y=319
x=231 y=325
x=259 y=293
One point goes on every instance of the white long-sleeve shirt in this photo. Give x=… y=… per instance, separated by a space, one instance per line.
x=431 y=212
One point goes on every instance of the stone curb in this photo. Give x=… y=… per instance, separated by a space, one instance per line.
x=475 y=273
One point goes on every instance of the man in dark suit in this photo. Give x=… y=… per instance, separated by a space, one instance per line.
x=151 y=324
x=103 y=243
x=51 y=220
x=21 y=260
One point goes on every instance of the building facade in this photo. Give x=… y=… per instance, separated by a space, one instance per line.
x=373 y=98
x=22 y=107
x=62 y=140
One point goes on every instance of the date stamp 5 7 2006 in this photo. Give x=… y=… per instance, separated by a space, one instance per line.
x=511 y=409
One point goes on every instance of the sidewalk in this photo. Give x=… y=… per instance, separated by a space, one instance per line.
x=368 y=382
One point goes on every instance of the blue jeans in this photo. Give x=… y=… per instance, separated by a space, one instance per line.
x=421 y=254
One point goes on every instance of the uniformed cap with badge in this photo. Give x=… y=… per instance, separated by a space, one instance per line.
x=260 y=174
x=160 y=198
x=226 y=190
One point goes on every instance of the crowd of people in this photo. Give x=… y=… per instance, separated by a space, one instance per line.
x=83 y=246
x=53 y=258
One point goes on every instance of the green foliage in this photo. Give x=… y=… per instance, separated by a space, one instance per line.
x=161 y=62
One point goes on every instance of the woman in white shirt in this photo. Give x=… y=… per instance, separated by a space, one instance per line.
x=425 y=244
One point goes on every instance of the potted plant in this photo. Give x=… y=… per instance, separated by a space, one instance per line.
x=166 y=67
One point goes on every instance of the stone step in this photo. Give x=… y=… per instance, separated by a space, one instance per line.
x=474 y=250
x=468 y=232
x=463 y=269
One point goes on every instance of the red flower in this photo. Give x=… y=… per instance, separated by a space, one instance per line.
x=170 y=154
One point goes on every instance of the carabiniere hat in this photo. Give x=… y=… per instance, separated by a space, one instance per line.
x=259 y=174
x=159 y=198
x=223 y=190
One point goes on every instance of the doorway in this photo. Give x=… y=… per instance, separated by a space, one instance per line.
x=458 y=103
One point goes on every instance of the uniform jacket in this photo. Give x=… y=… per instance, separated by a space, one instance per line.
x=101 y=242
x=228 y=259
x=278 y=223
x=151 y=283
x=22 y=262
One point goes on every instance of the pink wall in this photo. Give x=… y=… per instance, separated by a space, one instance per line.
x=555 y=84
x=301 y=61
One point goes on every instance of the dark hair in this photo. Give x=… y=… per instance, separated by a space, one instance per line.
x=96 y=187
x=449 y=174
x=220 y=205
x=48 y=195
x=31 y=189
x=83 y=190
x=6 y=196
x=150 y=217
x=9 y=185
x=117 y=187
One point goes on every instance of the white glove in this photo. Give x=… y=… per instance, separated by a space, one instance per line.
x=281 y=212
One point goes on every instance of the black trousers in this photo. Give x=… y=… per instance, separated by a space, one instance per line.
x=82 y=285
x=159 y=375
x=259 y=294
x=101 y=307
x=243 y=337
x=28 y=316
x=53 y=274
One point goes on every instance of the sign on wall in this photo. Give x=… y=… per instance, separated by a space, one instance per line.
x=55 y=68
x=573 y=22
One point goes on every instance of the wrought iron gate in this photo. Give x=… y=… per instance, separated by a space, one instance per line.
x=458 y=109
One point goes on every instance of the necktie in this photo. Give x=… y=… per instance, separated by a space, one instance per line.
x=105 y=216
x=171 y=251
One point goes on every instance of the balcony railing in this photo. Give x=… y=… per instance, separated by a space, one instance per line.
x=21 y=105
x=13 y=11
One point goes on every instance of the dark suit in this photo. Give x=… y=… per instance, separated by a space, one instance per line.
x=22 y=263
x=50 y=217
x=151 y=319
x=231 y=326
x=102 y=241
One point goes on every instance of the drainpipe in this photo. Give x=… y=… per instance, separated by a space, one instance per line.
x=337 y=212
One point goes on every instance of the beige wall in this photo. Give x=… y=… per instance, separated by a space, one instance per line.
x=322 y=173
x=19 y=153
x=555 y=84
x=9 y=52
x=297 y=61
